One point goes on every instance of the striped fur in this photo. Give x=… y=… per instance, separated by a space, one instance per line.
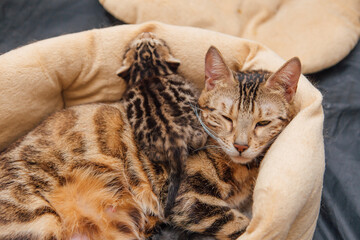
x=79 y=173
x=82 y=175
x=244 y=112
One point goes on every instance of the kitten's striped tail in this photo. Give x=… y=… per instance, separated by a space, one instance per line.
x=176 y=157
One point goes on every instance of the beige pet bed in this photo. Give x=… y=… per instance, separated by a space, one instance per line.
x=46 y=76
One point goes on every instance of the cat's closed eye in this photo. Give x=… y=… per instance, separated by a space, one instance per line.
x=210 y=109
x=227 y=118
x=262 y=123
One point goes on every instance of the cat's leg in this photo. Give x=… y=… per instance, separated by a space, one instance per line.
x=209 y=216
x=30 y=218
x=25 y=212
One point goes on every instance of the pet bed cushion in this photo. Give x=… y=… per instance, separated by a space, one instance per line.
x=40 y=78
x=320 y=32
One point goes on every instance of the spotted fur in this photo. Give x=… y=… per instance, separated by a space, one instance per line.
x=82 y=175
x=158 y=103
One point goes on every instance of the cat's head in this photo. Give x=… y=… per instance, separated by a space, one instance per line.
x=245 y=112
x=147 y=56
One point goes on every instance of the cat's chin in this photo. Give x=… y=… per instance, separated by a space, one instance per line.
x=241 y=160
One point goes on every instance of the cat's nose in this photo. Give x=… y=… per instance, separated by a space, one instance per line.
x=240 y=148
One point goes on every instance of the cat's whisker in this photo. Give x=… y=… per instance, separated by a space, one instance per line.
x=207 y=130
x=194 y=107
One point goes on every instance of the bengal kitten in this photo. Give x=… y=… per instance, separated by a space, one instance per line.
x=81 y=174
x=158 y=104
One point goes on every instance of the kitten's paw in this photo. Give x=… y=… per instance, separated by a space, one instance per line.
x=198 y=139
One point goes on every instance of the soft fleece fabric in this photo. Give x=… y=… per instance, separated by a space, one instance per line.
x=46 y=76
x=320 y=32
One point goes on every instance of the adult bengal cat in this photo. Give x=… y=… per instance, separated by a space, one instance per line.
x=82 y=175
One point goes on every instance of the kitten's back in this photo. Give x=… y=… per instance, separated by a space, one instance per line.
x=158 y=104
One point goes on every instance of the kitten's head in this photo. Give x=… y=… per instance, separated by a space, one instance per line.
x=245 y=112
x=147 y=56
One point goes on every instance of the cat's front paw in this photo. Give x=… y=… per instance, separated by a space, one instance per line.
x=234 y=229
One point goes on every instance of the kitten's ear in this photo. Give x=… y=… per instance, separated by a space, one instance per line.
x=286 y=78
x=215 y=69
x=123 y=71
x=173 y=63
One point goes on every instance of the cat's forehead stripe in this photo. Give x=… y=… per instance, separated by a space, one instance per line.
x=249 y=83
x=248 y=95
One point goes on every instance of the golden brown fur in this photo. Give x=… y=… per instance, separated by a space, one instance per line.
x=243 y=112
x=85 y=175
x=81 y=174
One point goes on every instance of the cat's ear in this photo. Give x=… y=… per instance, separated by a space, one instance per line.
x=286 y=78
x=173 y=63
x=216 y=69
x=123 y=71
